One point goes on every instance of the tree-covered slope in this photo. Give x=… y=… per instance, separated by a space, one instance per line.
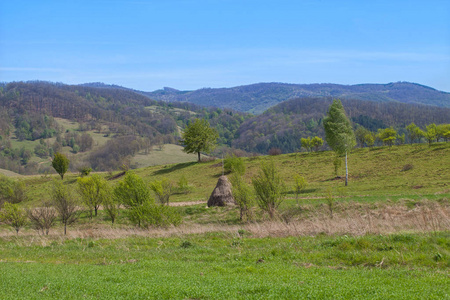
x=283 y=125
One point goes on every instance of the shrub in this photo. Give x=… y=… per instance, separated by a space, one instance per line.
x=85 y=171
x=234 y=164
x=42 y=218
x=162 y=189
x=242 y=195
x=275 y=151
x=65 y=204
x=13 y=215
x=141 y=208
x=183 y=185
x=269 y=188
x=11 y=191
x=149 y=214
x=300 y=185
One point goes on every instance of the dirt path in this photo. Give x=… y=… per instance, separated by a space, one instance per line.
x=187 y=203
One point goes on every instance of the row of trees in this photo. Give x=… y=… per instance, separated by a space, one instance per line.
x=414 y=134
x=94 y=192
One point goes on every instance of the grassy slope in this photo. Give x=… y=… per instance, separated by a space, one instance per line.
x=9 y=173
x=375 y=174
x=169 y=154
x=238 y=265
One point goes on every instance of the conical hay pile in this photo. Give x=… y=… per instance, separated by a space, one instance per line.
x=222 y=194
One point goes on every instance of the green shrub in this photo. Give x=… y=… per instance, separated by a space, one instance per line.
x=183 y=186
x=162 y=189
x=13 y=215
x=85 y=171
x=149 y=214
x=234 y=164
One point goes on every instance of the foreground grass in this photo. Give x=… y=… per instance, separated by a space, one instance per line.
x=218 y=265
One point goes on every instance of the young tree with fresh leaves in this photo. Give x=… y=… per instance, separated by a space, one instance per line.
x=162 y=189
x=242 y=194
x=414 y=133
x=387 y=135
x=300 y=185
x=339 y=132
x=431 y=133
x=60 y=163
x=13 y=215
x=316 y=143
x=306 y=143
x=92 y=190
x=198 y=137
x=269 y=188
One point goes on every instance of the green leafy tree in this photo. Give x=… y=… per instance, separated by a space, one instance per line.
x=110 y=204
x=61 y=164
x=198 y=137
x=306 y=143
x=269 y=188
x=13 y=215
x=414 y=133
x=369 y=139
x=442 y=132
x=11 y=190
x=92 y=191
x=431 y=133
x=387 y=135
x=135 y=195
x=316 y=143
x=338 y=132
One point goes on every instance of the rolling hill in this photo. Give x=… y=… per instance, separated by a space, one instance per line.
x=256 y=98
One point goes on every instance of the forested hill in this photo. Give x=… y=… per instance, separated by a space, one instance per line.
x=283 y=125
x=256 y=98
x=128 y=120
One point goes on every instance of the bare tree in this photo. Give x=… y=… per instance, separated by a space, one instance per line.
x=65 y=204
x=42 y=218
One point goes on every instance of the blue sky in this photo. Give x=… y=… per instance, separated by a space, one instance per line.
x=188 y=45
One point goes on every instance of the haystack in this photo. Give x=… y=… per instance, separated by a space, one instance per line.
x=222 y=194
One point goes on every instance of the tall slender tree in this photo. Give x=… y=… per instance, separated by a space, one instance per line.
x=339 y=132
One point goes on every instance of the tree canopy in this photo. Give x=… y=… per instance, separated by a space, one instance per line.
x=198 y=137
x=61 y=164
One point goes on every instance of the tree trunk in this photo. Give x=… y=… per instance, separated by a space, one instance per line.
x=65 y=228
x=198 y=156
x=96 y=209
x=346 y=170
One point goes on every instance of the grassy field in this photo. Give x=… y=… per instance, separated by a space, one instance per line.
x=388 y=237
x=169 y=154
x=211 y=266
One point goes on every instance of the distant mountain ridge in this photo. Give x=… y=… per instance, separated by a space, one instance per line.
x=256 y=98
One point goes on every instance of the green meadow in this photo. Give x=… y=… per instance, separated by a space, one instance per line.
x=388 y=237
